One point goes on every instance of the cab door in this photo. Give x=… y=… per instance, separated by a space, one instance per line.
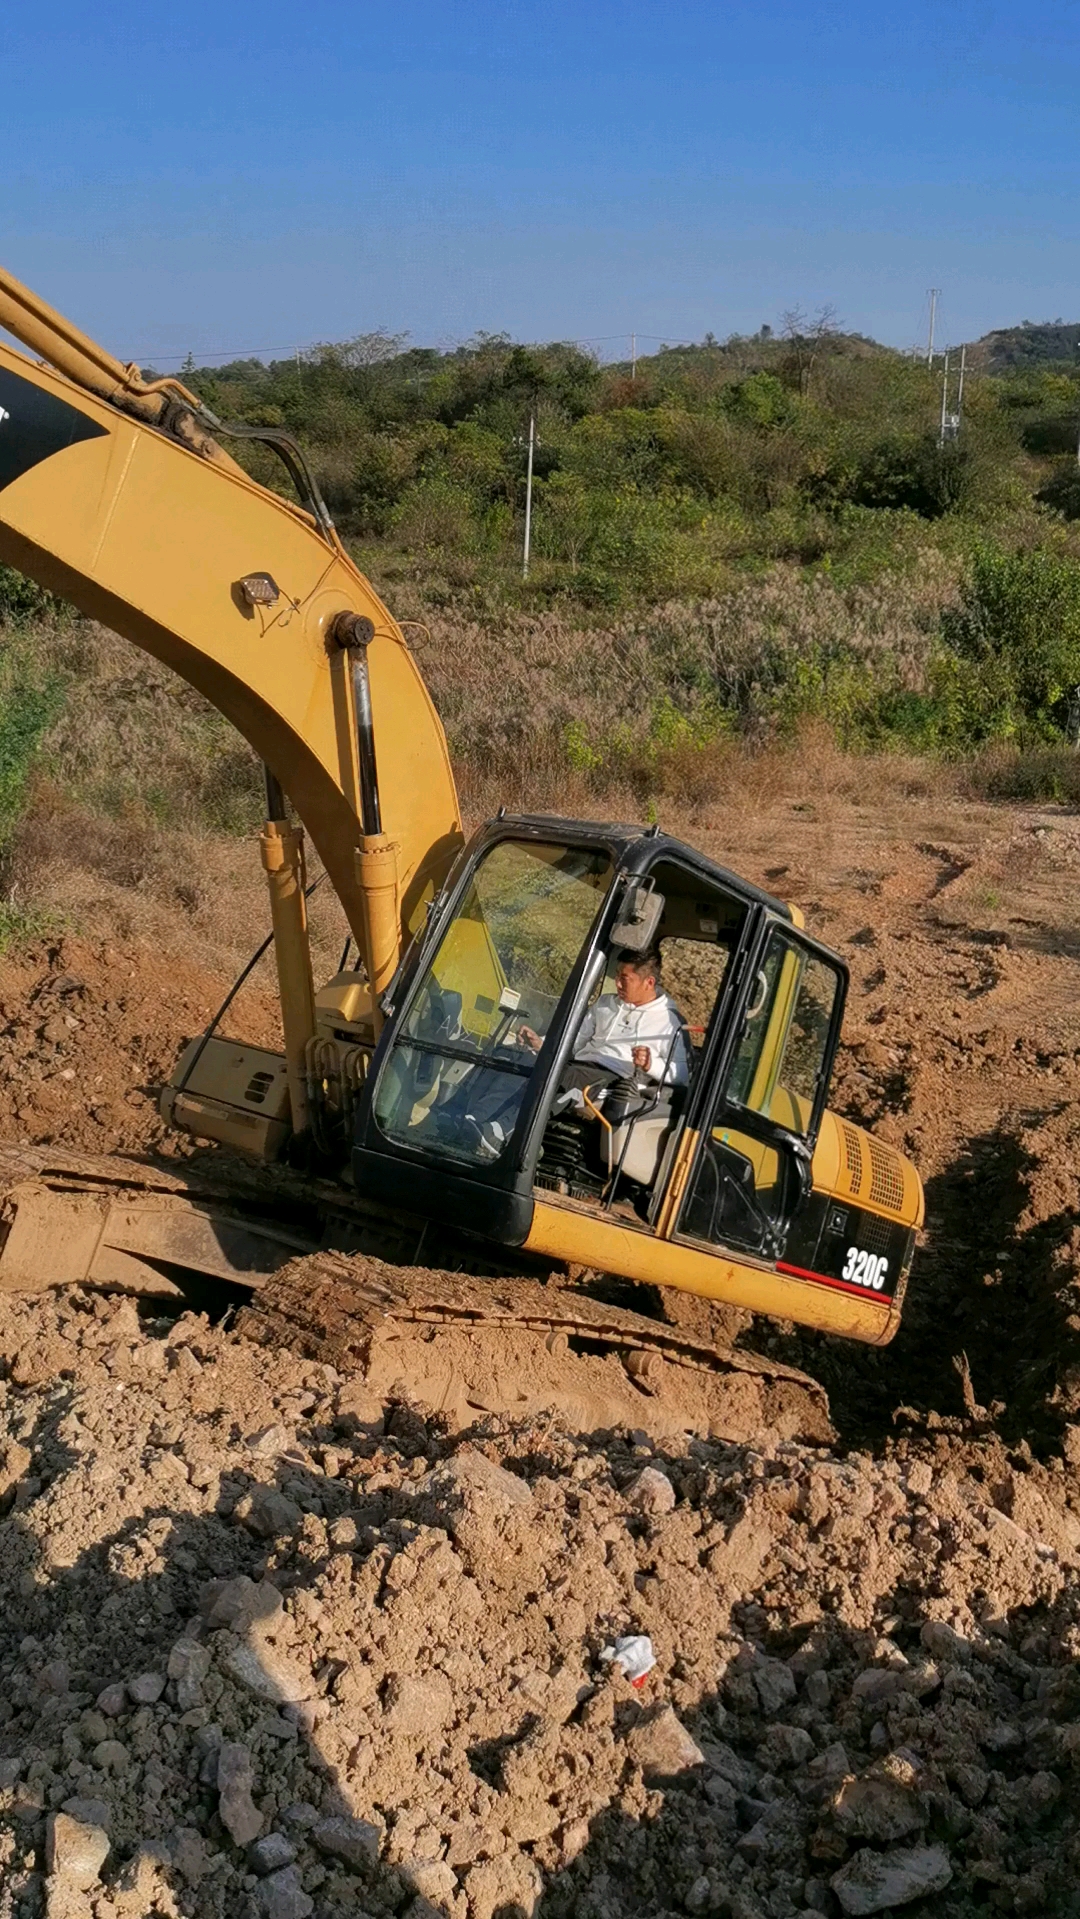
x=750 y=1174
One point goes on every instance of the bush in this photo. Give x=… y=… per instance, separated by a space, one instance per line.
x=22 y=599
x=1014 y=647
x=31 y=697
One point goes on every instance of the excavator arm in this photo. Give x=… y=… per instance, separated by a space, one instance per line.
x=115 y=494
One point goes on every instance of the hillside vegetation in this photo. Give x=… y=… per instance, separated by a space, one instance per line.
x=730 y=542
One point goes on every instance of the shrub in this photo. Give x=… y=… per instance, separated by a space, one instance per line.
x=1014 y=646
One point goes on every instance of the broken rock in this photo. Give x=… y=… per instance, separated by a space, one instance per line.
x=239 y=1604
x=879 y=1881
x=651 y=1492
x=661 y=1744
x=74 y=1852
x=282 y=1895
x=883 y=1804
x=353 y=1841
x=268 y=1675
x=235 y=1779
x=146 y=1688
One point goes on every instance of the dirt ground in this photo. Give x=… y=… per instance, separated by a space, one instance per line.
x=279 y=1641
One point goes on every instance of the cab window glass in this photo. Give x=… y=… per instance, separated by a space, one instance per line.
x=785 y=1036
x=456 y=1077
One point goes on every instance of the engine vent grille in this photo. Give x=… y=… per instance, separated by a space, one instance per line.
x=853 y=1156
x=886 y=1177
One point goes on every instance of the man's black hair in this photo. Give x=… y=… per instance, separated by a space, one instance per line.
x=649 y=963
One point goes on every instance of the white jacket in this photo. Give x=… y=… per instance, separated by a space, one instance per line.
x=609 y=1033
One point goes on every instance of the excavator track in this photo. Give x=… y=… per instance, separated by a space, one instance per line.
x=465 y=1342
x=330 y=1306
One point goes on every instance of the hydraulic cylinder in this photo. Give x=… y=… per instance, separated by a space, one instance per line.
x=282 y=849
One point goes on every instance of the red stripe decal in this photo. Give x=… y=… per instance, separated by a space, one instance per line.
x=842 y=1285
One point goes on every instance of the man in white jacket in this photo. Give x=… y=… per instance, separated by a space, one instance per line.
x=636 y=1032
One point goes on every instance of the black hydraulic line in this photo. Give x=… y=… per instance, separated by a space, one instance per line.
x=290 y=455
x=238 y=982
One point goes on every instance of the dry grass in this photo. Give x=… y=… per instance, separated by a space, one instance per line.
x=140 y=819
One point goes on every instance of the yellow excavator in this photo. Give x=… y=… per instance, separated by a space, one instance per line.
x=406 y=1136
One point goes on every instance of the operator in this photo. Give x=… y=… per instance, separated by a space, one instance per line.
x=636 y=1031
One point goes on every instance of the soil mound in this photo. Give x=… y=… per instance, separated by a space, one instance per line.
x=275 y=1645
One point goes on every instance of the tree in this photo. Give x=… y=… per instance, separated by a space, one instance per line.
x=804 y=339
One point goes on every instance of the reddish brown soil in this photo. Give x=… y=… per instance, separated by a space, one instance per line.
x=866 y=1654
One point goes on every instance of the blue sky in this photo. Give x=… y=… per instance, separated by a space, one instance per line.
x=242 y=177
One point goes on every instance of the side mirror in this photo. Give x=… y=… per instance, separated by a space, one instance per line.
x=643 y=910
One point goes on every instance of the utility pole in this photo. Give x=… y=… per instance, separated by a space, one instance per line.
x=633 y=356
x=960 y=388
x=934 y=292
x=944 y=398
x=528 y=498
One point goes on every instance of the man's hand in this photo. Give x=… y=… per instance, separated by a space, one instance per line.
x=642 y=1058
x=528 y=1038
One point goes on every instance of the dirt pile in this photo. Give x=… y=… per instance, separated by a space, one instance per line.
x=89 y=1032
x=274 y=1646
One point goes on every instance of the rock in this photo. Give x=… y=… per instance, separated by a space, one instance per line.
x=189 y=1664
x=358 y=1406
x=920 y=1478
x=417 y=1707
x=268 y=1675
x=724 y=1760
x=146 y=1689
x=270 y=1441
x=818 y=1691
x=301 y=1815
x=433 y=1879
x=660 y=1743
x=270 y=1853
x=775 y=1685
x=14 y=1464
x=113 y=1701
x=239 y=1604
x=785 y=1746
x=470 y=1479
x=1002 y=1737
x=351 y=1840
x=54 y=1678
x=268 y=1513
x=88 y=1812
x=139 y=1885
x=189 y=1855
x=1039 y=1794
x=235 y=1778
x=883 y=1805
x=971 y=1783
x=510 y=1881
x=73 y=1852
x=651 y=1492
x=111 y=1756
x=878 y=1881
x=282 y=1895
x=944 y=1644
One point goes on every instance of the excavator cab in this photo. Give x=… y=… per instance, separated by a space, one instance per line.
x=717 y=1182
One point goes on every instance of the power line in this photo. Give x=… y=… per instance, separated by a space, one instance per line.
x=150 y=358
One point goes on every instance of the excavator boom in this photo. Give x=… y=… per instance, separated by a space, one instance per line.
x=116 y=496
